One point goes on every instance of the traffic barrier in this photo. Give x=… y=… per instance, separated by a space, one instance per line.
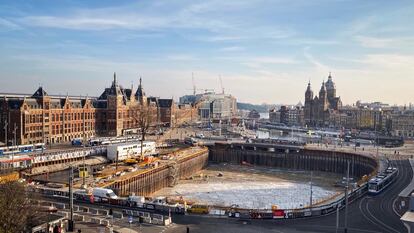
x=78 y=217
x=105 y=222
x=167 y=221
x=103 y=212
x=147 y=220
x=63 y=213
x=217 y=212
x=59 y=205
x=94 y=211
x=117 y=214
x=96 y=220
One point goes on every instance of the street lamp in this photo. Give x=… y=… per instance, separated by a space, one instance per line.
x=346 y=199
x=15 y=144
x=5 y=132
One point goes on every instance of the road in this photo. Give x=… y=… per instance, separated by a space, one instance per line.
x=366 y=215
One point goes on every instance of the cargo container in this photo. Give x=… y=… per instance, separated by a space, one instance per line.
x=124 y=151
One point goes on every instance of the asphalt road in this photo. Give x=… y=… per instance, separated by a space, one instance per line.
x=369 y=214
x=366 y=215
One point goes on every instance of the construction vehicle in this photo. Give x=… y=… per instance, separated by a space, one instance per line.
x=132 y=160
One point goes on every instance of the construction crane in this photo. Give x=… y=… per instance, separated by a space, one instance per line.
x=195 y=89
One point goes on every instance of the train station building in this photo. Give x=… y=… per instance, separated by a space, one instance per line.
x=41 y=117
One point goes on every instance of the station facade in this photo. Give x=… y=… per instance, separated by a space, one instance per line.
x=52 y=119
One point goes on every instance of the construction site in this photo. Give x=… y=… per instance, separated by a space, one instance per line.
x=223 y=175
x=132 y=175
x=253 y=187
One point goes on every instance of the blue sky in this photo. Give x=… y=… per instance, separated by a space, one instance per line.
x=265 y=51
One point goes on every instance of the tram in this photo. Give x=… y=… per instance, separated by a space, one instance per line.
x=21 y=149
x=377 y=184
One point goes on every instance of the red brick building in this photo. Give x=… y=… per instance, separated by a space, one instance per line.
x=52 y=119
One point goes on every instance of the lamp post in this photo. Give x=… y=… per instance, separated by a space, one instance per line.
x=311 y=191
x=5 y=132
x=71 y=224
x=346 y=199
x=15 y=144
x=83 y=145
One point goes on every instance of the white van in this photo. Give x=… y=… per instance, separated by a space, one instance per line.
x=104 y=193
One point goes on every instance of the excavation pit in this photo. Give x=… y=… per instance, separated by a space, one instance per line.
x=254 y=187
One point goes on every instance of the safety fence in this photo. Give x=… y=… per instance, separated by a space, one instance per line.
x=67 y=154
x=299 y=213
x=134 y=209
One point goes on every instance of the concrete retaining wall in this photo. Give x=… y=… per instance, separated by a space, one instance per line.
x=294 y=158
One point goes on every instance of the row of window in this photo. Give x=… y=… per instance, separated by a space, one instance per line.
x=73 y=116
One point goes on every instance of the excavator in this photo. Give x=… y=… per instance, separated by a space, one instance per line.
x=133 y=160
x=142 y=161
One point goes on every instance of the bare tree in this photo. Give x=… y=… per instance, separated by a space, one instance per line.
x=144 y=116
x=16 y=207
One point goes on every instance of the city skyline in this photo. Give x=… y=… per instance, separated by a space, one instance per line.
x=270 y=48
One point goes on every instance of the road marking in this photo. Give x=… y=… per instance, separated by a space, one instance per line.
x=380 y=222
x=362 y=212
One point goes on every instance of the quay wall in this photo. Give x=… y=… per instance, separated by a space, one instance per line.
x=297 y=158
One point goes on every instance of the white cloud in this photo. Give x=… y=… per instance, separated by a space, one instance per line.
x=317 y=64
x=92 y=23
x=390 y=42
x=232 y=49
x=181 y=57
x=6 y=25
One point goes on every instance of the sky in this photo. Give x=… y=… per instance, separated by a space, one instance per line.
x=264 y=51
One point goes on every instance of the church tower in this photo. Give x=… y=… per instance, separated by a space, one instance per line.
x=308 y=93
x=323 y=98
x=330 y=88
x=308 y=104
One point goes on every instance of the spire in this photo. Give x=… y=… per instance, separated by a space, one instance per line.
x=140 y=91
x=115 y=81
x=40 y=92
x=309 y=92
x=309 y=86
x=323 y=87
